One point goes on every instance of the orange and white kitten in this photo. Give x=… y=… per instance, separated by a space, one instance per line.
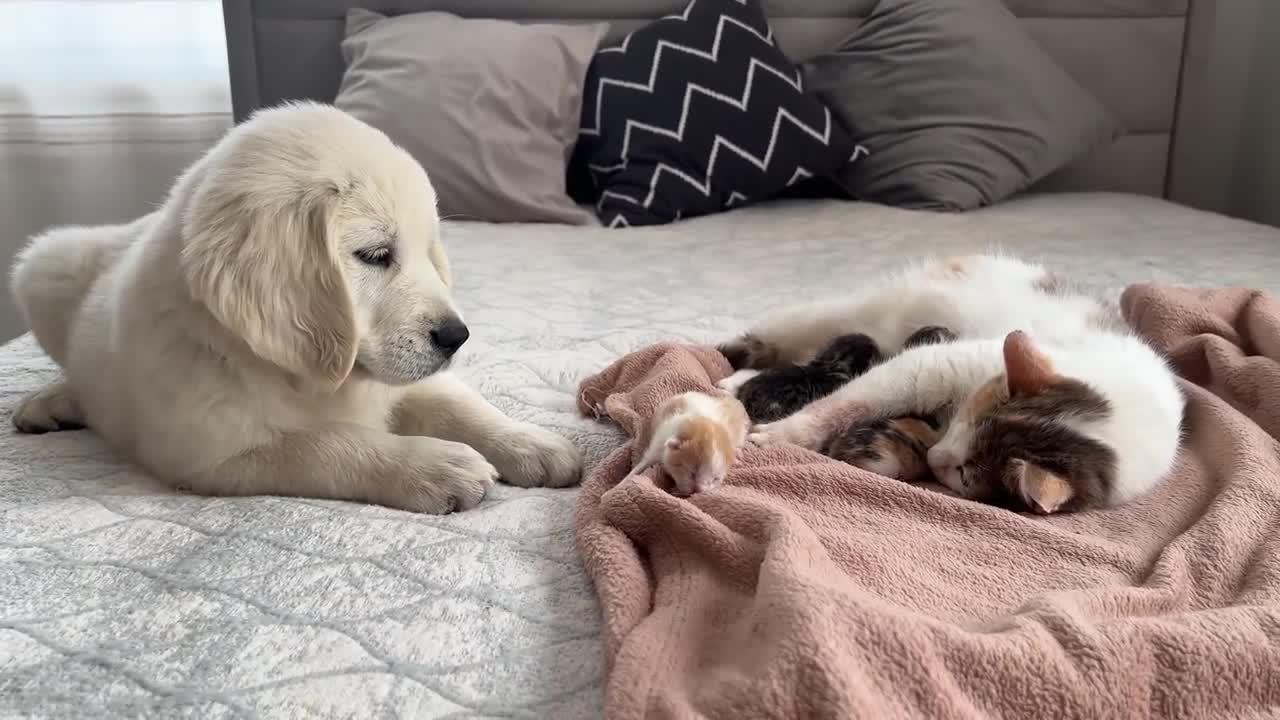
x=696 y=437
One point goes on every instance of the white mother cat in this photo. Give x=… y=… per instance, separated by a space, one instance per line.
x=1052 y=403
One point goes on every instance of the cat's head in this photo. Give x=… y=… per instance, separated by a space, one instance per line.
x=851 y=354
x=1023 y=436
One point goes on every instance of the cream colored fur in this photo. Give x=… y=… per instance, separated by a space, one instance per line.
x=233 y=342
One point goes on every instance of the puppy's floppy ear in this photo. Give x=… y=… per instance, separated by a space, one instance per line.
x=441 y=261
x=265 y=266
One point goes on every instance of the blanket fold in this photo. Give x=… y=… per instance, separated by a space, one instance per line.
x=807 y=588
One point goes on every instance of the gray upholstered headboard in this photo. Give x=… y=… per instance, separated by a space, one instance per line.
x=1139 y=57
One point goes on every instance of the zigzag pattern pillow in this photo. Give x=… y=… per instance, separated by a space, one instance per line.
x=699 y=112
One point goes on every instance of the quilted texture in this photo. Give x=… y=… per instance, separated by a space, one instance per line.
x=121 y=599
x=699 y=112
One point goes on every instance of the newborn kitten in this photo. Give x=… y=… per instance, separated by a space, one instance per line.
x=893 y=447
x=775 y=393
x=696 y=437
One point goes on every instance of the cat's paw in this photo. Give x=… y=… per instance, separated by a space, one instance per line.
x=800 y=429
x=734 y=382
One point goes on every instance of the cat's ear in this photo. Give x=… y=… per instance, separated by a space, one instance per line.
x=1028 y=370
x=675 y=442
x=1043 y=491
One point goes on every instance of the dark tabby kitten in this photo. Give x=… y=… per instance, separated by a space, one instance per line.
x=778 y=392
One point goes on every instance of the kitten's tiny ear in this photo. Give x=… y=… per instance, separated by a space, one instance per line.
x=1043 y=491
x=675 y=442
x=1028 y=370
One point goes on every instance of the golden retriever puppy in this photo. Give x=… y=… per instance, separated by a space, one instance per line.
x=278 y=326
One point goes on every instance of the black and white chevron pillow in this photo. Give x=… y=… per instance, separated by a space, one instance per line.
x=699 y=112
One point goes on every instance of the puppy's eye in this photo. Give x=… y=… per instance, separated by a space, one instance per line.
x=380 y=256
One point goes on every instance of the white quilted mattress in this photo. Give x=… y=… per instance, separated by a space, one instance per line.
x=119 y=598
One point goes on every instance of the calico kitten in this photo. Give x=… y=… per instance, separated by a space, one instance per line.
x=1048 y=400
x=893 y=447
x=696 y=437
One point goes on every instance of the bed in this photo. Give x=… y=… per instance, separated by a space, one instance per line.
x=121 y=598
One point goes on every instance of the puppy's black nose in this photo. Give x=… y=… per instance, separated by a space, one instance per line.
x=450 y=335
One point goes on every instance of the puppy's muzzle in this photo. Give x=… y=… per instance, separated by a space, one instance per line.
x=449 y=335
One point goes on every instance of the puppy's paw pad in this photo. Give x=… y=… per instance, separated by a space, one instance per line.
x=533 y=457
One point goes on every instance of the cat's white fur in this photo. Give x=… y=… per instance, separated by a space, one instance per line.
x=983 y=299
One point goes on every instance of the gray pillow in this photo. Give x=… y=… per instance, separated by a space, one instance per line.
x=489 y=107
x=956 y=103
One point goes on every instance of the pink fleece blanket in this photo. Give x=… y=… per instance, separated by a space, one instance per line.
x=810 y=589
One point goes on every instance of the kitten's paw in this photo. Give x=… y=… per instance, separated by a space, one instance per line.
x=799 y=429
x=530 y=456
x=734 y=382
x=49 y=409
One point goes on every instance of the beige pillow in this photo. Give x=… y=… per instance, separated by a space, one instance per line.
x=957 y=104
x=489 y=107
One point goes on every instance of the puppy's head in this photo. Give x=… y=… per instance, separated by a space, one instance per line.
x=314 y=239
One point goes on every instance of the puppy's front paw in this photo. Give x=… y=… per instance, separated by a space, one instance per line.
x=455 y=477
x=529 y=456
x=49 y=409
x=799 y=429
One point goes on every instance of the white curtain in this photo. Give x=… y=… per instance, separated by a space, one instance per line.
x=102 y=102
